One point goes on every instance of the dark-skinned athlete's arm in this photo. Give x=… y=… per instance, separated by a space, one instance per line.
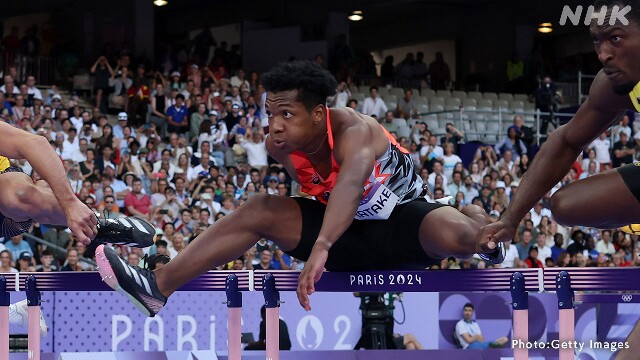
x=354 y=151
x=556 y=157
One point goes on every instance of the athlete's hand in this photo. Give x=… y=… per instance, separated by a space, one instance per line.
x=494 y=233
x=311 y=273
x=82 y=221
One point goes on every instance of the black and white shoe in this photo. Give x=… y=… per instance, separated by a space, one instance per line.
x=496 y=256
x=138 y=284
x=130 y=231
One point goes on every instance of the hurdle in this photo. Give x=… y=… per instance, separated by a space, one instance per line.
x=516 y=281
x=33 y=305
x=272 y=305
x=520 y=306
x=565 y=281
x=234 y=320
x=5 y=301
x=232 y=282
x=566 y=313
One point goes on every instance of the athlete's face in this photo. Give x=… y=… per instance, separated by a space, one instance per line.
x=618 y=48
x=292 y=127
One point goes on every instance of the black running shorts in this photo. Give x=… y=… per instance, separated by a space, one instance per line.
x=631 y=175
x=391 y=244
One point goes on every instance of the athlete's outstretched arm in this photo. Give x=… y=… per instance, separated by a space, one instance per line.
x=19 y=144
x=557 y=155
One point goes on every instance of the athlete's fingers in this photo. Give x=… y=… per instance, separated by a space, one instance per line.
x=303 y=298
x=81 y=235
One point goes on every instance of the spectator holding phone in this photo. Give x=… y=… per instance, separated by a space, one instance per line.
x=280 y=261
x=171 y=206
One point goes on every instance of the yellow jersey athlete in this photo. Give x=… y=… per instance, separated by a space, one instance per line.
x=52 y=201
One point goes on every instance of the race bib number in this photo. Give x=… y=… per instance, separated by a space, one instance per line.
x=377 y=204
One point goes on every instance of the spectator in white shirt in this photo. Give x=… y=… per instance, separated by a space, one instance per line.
x=622 y=127
x=544 y=251
x=437 y=170
x=373 y=105
x=602 y=145
x=256 y=150
x=604 y=245
x=70 y=145
x=511 y=257
x=538 y=212
x=342 y=96
x=449 y=160
x=33 y=90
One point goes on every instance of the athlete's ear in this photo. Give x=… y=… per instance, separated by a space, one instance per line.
x=318 y=114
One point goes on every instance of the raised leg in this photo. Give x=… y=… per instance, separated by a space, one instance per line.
x=602 y=201
x=448 y=232
x=276 y=218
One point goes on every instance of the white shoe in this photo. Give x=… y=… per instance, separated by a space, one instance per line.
x=19 y=315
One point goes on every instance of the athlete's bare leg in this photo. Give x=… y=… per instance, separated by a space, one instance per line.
x=277 y=218
x=603 y=201
x=21 y=200
x=631 y=353
x=448 y=232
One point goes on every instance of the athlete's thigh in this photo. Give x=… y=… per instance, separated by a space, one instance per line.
x=605 y=200
x=12 y=186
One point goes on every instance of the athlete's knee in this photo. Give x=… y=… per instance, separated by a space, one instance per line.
x=259 y=207
x=256 y=202
x=561 y=207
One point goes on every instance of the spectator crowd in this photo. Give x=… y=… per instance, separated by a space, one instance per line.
x=187 y=147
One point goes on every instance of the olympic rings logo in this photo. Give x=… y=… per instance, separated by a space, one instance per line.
x=627 y=298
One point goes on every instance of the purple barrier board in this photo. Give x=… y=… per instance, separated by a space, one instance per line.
x=106 y=321
x=407 y=281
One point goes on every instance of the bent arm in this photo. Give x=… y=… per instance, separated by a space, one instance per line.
x=19 y=144
x=557 y=155
x=356 y=160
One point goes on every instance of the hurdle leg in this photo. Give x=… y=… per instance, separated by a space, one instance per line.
x=33 y=302
x=234 y=304
x=272 y=305
x=4 y=319
x=566 y=313
x=520 y=306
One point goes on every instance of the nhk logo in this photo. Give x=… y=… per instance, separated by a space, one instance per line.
x=616 y=14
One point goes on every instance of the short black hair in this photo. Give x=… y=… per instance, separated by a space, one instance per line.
x=155 y=259
x=468 y=305
x=180 y=96
x=633 y=14
x=314 y=84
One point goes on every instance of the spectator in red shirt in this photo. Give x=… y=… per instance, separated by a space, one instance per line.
x=532 y=261
x=137 y=203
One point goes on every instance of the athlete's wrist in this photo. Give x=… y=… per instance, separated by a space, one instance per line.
x=322 y=244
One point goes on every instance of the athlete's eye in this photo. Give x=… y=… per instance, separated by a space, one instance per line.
x=287 y=114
